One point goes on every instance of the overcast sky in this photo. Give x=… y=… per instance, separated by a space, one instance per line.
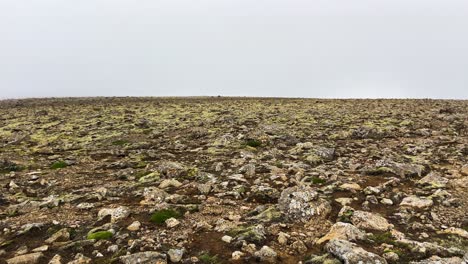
x=288 y=48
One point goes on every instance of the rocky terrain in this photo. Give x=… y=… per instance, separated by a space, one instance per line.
x=233 y=180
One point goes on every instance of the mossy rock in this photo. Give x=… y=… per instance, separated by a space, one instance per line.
x=100 y=235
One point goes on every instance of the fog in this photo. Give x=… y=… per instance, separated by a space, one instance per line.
x=284 y=48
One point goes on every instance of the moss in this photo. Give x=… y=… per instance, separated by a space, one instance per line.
x=253 y=143
x=100 y=235
x=58 y=165
x=317 y=180
x=120 y=142
x=151 y=177
x=207 y=258
x=346 y=216
x=159 y=217
x=382 y=238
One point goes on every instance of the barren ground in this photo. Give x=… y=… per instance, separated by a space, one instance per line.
x=259 y=172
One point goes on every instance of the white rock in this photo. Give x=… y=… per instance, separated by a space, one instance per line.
x=226 y=239
x=135 y=226
x=172 y=222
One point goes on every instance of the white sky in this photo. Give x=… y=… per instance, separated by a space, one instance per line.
x=288 y=48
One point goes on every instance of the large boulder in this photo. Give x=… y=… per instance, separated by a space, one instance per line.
x=302 y=203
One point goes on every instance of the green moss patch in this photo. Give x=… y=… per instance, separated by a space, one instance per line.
x=100 y=235
x=253 y=143
x=159 y=217
x=58 y=165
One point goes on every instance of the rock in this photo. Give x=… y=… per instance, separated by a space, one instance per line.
x=299 y=246
x=85 y=206
x=370 y=221
x=439 y=260
x=147 y=257
x=254 y=233
x=31 y=258
x=175 y=255
x=61 y=235
x=170 y=183
x=344 y=231
x=237 y=255
x=351 y=253
x=113 y=248
x=226 y=239
x=135 y=226
x=172 y=222
x=266 y=254
x=400 y=169
x=433 y=181
x=455 y=231
x=41 y=248
x=386 y=201
x=204 y=188
x=116 y=214
x=344 y=200
x=80 y=259
x=302 y=203
x=57 y=259
x=283 y=238
x=350 y=187
x=416 y=202
x=391 y=256
x=154 y=195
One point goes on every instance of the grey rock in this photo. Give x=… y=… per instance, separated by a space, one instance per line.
x=350 y=253
x=302 y=203
x=370 y=221
x=31 y=258
x=266 y=254
x=147 y=257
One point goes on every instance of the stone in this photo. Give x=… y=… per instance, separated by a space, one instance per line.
x=455 y=231
x=416 y=202
x=386 y=201
x=237 y=255
x=350 y=187
x=175 y=255
x=283 y=238
x=439 y=260
x=391 y=256
x=147 y=257
x=57 y=259
x=116 y=214
x=170 y=183
x=433 y=181
x=370 y=221
x=31 y=258
x=61 y=235
x=350 y=253
x=266 y=254
x=41 y=248
x=299 y=246
x=344 y=231
x=85 y=206
x=172 y=222
x=302 y=203
x=226 y=239
x=135 y=226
